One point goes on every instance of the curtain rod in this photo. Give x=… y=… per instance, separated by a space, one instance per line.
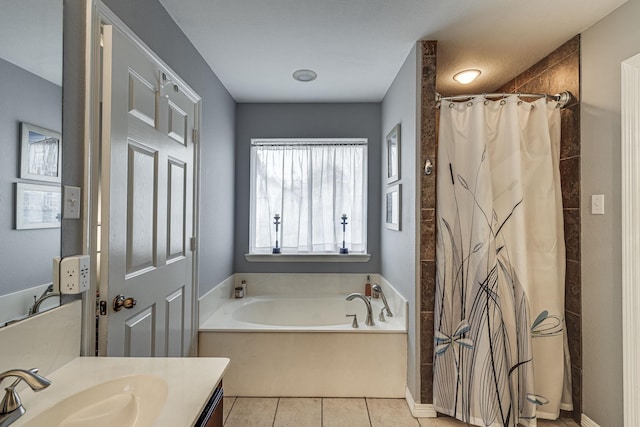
x=561 y=98
x=307 y=142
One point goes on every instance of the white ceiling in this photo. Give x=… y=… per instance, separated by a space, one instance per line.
x=355 y=46
x=358 y=46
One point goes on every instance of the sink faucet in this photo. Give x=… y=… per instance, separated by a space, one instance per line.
x=48 y=293
x=11 y=406
x=369 y=321
x=378 y=289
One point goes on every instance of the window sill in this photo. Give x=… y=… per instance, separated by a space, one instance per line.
x=307 y=257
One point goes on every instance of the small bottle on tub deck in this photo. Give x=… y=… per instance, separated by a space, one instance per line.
x=367 y=287
x=241 y=291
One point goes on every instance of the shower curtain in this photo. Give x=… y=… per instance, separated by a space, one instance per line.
x=501 y=355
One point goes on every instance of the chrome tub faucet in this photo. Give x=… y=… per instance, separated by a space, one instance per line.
x=378 y=289
x=369 y=321
x=11 y=406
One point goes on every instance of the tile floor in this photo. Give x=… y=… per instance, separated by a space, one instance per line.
x=334 y=412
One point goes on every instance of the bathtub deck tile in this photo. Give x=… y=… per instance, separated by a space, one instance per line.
x=390 y=412
x=252 y=412
x=347 y=412
x=297 y=412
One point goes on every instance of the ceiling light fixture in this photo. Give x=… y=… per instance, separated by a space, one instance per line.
x=304 y=75
x=467 y=76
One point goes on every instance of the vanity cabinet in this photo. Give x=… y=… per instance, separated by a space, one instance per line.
x=211 y=415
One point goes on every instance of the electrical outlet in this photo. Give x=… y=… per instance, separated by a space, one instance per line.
x=74 y=274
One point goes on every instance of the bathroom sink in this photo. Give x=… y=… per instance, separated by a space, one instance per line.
x=127 y=401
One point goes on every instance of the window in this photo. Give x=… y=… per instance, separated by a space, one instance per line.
x=310 y=184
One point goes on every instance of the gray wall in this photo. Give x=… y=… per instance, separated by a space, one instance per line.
x=25 y=255
x=308 y=121
x=604 y=46
x=398 y=248
x=151 y=22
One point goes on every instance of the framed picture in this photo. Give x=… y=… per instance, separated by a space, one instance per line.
x=393 y=155
x=38 y=206
x=393 y=205
x=40 y=153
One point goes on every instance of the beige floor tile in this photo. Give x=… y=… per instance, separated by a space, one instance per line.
x=554 y=423
x=450 y=422
x=227 y=404
x=444 y=421
x=299 y=412
x=345 y=413
x=428 y=422
x=569 y=422
x=252 y=412
x=390 y=413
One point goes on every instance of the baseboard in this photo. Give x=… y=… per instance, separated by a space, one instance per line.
x=419 y=410
x=587 y=422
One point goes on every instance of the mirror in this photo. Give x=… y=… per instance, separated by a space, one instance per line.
x=30 y=168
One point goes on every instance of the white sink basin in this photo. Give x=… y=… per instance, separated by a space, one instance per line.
x=128 y=401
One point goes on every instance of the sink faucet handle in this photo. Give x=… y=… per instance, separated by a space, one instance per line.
x=354 y=324
x=11 y=407
x=31 y=377
x=17 y=381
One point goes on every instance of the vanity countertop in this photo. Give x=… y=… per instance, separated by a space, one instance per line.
x=190 y=381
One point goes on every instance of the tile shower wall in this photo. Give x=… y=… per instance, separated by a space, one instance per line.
x=557 y=72
x=560 y=71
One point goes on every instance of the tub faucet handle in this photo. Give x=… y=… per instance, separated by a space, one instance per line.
x=381 y=317
x=369 y=321
x=354 y=324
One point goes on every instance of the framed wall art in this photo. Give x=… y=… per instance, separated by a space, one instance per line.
x=40 y=153
x=393 y=154
x=393 y=204
x=38 y=206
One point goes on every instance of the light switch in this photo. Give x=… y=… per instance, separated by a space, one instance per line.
x=71 y=202
x=597 y=204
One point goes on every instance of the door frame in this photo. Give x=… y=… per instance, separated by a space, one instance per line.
x=94 y=13
x=630 y=181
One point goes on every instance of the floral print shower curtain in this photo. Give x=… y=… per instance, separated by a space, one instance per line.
x=501 y=355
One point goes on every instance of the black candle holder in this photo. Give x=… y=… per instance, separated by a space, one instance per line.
x=276 y=221
x=343 y=249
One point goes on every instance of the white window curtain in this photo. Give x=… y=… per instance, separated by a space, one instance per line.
x=310 y=184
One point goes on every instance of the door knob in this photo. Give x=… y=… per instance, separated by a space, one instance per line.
x=120 y=301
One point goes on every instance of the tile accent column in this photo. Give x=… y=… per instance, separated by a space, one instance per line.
x=557 y=72
x=428 y=143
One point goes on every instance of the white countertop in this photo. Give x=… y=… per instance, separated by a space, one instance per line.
x=191 y=382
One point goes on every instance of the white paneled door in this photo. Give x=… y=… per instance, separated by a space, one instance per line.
x=147 y=200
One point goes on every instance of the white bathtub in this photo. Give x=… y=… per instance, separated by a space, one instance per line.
x=304 y=345
x=319 y=313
